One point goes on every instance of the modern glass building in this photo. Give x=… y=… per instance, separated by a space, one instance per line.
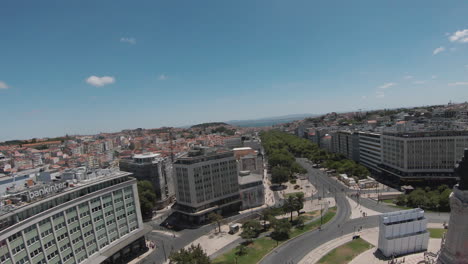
x=94 y=219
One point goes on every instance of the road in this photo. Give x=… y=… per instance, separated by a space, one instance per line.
x=166 y=242
x=294 y=250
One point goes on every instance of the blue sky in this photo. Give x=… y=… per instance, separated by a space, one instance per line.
x=101 y=66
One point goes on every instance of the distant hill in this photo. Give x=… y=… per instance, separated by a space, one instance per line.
x=269 y=121
x=205 y=125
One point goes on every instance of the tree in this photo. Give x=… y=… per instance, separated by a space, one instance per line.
x=281 y=229
x=279 y=175
x=299 y=202
x=294 y=203
x=269 y=214
x=251 y=229
x=193 y=254
x=214 y=217
x=147 y=198
x=131 y=146
x=241 y=250
x=444 y=200
x=289 y=206
x=300 y=221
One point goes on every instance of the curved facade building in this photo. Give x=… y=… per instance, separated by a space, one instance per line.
x=93 y=220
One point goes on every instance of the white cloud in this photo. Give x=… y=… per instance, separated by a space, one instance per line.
x=3 y=85
x=438 y=50
x=407 y=77
x=163 y=77
x=458 y=83
x=419 y=82
x=434 y=77
x=100 y=81
x=460 y=36
x=380 y=94
x=128 y=40
x=386 y=85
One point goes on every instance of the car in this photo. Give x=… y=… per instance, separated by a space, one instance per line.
x=356 y=237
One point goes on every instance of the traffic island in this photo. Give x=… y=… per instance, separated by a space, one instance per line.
x=346 y=253
x=260 y=247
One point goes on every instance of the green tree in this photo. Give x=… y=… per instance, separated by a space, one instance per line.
x=444 y=200
x=147 y=198
x=279 y=175
x=194 y=254
x=251 y=229
x=216 y=218
x=300 y=221
x=299 y=202
x=281 y=229
x=241 y=250
x=289 y=205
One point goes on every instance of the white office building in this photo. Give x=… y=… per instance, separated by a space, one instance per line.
x=370 y=150
x=93 y=220
x=206 y=181
x=422 y=156
x=403 y=232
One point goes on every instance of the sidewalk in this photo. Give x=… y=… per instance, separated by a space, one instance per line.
x=315 y=255
x=141 y=257
x=313 y=205
x=214 y=241
x=358 y=210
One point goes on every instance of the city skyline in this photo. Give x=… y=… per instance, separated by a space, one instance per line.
x=105 y=66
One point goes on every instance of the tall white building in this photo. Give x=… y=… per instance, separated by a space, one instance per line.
x=428 y=156
x=93 y=220
x=206 y=181
x=370 y=150
x=403 y=232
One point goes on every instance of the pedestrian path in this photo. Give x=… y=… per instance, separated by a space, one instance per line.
x=315 y=255
x=358 y=211
x=147 y=253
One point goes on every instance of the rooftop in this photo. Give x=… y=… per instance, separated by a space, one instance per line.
x=23 y=196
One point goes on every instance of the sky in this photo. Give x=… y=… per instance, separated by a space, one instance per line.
x=90 y=66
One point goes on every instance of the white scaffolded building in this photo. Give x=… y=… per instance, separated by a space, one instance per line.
x=403 y=232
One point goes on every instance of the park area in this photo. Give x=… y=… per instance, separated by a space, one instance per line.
x=345 y=253
x=258 y=248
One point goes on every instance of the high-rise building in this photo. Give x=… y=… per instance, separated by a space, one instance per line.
x=423 y=156
x=206 y=181
x=370 y=150
x=156 y=169
x=93 y=217
x=346 y=143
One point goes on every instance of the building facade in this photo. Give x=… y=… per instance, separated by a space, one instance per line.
x=422 y=157
x=403 y=232
x=156 y=169
x=252 y=191
x=370 y=150
x=346 y=143
x=91 y=221
x=206 y=181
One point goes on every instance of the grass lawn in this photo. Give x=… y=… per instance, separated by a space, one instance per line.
x=311 y=226
x=290 y=194
x=261 y=246
x=255 y=251
x=436 y=232
x=345 y=253
x=389 y=201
